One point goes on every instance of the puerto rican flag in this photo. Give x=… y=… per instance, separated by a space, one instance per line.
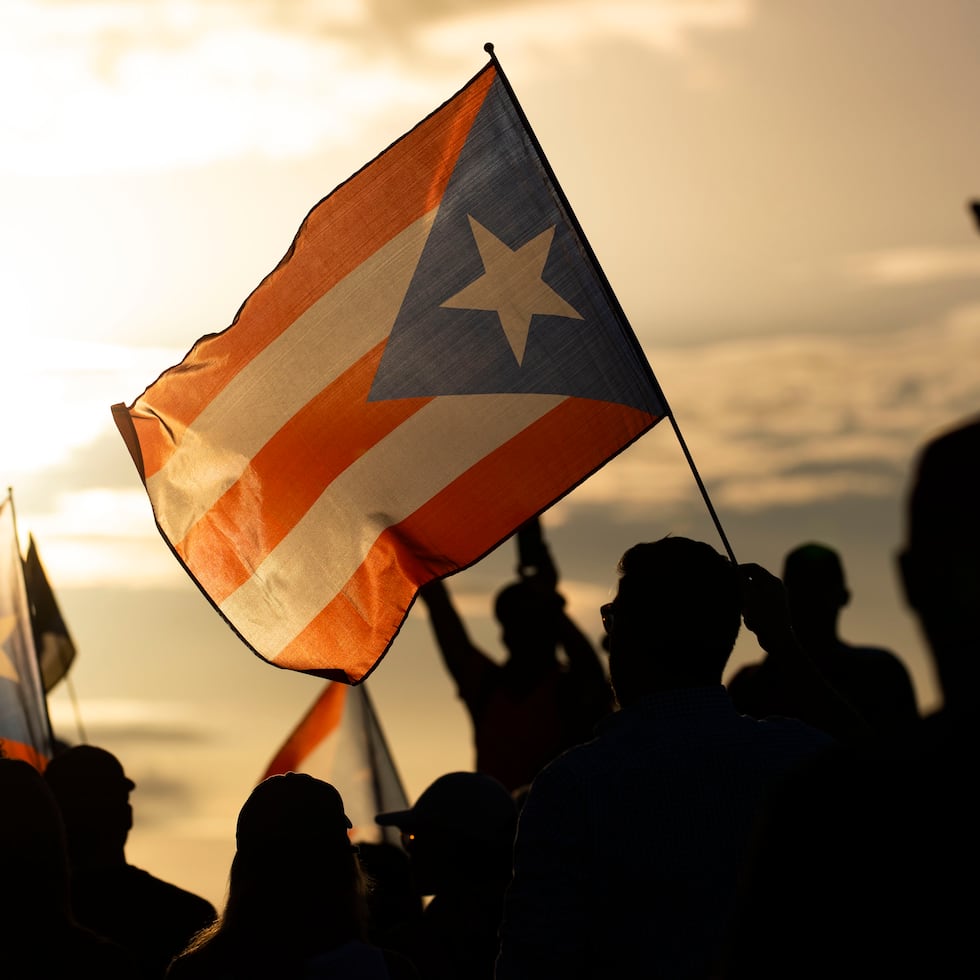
x=25 y=730
x=436 y=359
x=340 y=740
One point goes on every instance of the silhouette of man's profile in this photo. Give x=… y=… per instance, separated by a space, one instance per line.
x=40 y=936
x=148 y=915
x=459 y=836
x=628 y=846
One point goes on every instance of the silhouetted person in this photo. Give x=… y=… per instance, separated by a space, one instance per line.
x=873 y=679
x=628 y=847
x=149 y=916
x=459 y=836
x=940 y=574
x=864 y=865
x=40 y=938
x=533 y=706
x=296 y=904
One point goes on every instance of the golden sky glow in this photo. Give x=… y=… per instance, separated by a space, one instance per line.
x=776 y=190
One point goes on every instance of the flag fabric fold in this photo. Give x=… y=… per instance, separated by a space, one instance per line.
x=54 y=645
x=436 y=359
x=340 y=739
x=25 y=730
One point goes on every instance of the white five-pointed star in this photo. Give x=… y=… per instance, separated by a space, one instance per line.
x=512 y=285
x=7 y=626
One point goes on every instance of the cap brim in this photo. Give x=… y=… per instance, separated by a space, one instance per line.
x=394 y=818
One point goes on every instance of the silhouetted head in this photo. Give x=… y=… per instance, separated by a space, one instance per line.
x=528 y=618
x=295 y=875
x=815 y=586
x=92 y=791
x=674 y=620
x=459 y=833
x=940 y=560
x=292 y=810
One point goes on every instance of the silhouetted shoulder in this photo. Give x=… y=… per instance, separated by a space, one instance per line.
x=72 y=952
x=742 y=682
x=177 y=902
x=880 y=658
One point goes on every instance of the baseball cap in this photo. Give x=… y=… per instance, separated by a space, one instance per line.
x=467 y=804
x=86 y=772
x=291 y=806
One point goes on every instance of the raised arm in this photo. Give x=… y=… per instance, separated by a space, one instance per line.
x=464 y=661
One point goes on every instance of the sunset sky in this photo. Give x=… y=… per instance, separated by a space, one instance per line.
x=777 y=191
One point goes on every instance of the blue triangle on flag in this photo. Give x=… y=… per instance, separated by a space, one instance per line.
x=435 y=350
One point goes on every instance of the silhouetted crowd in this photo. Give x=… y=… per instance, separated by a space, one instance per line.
x=635 y=819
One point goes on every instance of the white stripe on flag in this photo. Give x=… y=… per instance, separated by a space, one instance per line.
x=386 y=485
x=343 y=325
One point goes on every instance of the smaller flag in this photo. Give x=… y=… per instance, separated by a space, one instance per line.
x=340 y=740
x=25 y=730
x=54 y=645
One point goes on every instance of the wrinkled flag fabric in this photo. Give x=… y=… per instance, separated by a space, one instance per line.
x=25 y=730
x=436 y=359
x=54 y=645
x=340 y=739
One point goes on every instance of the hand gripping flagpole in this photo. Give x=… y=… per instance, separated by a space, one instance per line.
x=488 y=47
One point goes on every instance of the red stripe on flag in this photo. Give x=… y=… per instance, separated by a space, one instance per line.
x=12 y=749
x=367 y=614
x=400 y=186
x=290 y=478
x=321 y=720
x=523 y=476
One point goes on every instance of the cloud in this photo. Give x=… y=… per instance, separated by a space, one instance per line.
x=793 y=420
x=774 y=422
x=102 y=537
x=147 y=86
x=108 y=717
x=565 y=30
x=55 y=397
x=769 y=422
x=914 y=266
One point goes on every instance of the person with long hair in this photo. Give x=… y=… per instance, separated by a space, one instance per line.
x=296 y=905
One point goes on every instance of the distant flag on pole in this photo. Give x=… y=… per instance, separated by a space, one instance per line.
x=54 y=645
x=25 y=730
x=436 y=359
x=340 y=740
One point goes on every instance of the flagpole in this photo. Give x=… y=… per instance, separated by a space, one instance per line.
x=369 y=742
x=78 y=714
x=488 y=47
x=62 y=657
x=13 y=520
x=372 y=727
